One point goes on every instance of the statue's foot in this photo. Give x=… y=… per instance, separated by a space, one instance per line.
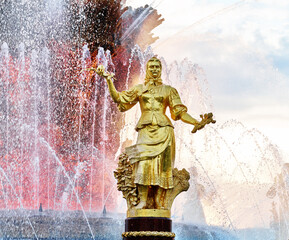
x=141 y=205
x=160 y=207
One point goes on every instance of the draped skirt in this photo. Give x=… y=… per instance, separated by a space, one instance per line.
x=153 y=156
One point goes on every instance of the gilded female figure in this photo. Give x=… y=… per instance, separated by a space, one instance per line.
x=153 y=154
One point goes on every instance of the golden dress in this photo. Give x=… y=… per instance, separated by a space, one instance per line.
x=153 y=154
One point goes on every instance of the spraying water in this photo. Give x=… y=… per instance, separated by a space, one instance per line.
x=75 y=130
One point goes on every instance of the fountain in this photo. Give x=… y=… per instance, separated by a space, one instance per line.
x=57 y=152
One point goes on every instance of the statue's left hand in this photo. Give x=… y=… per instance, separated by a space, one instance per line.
x=206 y=119
x=101 y=72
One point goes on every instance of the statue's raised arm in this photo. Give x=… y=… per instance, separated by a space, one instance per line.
x=100 y=70
x=109 y=77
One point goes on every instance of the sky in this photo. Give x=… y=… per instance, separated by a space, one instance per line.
x=243 y=47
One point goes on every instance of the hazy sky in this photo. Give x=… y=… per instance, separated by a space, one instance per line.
x=243 y=46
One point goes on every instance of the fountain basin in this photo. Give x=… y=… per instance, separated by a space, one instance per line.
x=32 y=224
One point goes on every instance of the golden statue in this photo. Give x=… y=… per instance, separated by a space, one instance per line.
x=146 y=173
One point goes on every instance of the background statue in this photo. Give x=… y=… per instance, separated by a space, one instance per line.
x=149 y=164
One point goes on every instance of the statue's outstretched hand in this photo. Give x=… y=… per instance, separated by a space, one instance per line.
x=206 y=119
x=101 y=72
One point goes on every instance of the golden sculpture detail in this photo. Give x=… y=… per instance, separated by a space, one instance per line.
x=146 y=173
x=125 y=183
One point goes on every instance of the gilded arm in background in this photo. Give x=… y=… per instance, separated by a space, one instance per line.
x=206 y=119
x=109 y=76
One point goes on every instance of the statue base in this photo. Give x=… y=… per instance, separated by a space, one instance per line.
x=162 y=213
x=148 y=223
x=148 y=228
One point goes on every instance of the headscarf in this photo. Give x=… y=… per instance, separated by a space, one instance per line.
x=149 y=80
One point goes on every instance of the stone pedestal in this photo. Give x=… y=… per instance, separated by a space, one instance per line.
x=148 y=228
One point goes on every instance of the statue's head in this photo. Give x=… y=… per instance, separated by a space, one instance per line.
x=153 y=69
